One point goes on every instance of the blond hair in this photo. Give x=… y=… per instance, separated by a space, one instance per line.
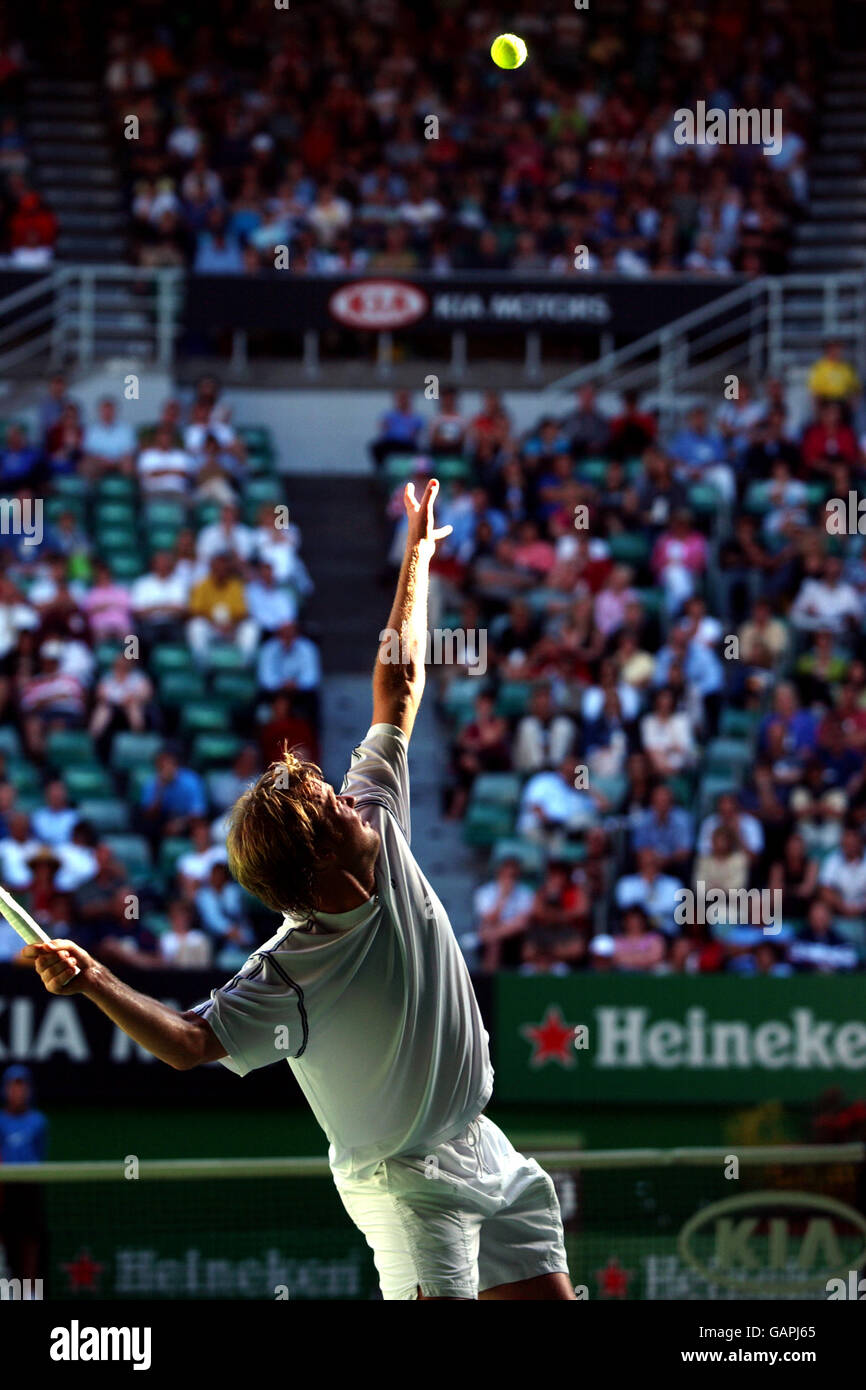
x=275 y=835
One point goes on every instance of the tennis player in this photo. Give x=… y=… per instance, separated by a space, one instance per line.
x=365 y=992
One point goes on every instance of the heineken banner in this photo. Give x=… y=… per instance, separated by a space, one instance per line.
x=714 y=1039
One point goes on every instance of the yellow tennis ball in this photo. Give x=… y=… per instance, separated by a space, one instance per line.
x=508 y=51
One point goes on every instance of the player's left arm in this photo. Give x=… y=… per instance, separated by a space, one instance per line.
x=398 y=678
x=182 y=1040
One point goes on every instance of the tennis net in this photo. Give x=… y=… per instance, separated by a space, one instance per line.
x=764 y=1223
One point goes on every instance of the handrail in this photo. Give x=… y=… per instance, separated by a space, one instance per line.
x=762 y=301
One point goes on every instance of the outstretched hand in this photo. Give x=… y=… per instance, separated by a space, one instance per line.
x=55 y=963
x=422 y=531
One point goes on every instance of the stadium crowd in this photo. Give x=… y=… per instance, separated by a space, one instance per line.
x=673 y=695
x=352 y=137
x=152 y=662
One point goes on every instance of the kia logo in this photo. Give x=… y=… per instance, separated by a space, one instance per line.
x=773 y=1242
x=378 y=304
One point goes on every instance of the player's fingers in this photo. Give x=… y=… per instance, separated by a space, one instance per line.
x=409 y=496
x=50 y=970
x=442 y=531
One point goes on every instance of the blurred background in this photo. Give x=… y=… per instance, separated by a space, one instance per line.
x=258 y=267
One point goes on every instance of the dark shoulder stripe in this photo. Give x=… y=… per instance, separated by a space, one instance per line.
x=284 y=975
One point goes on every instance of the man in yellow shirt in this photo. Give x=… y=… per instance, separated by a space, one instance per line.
x=831 y=378
x=218 y=612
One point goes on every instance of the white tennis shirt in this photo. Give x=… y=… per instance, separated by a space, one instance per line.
x=373 y=1008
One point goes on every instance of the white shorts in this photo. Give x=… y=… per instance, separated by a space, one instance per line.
x=471 y=1214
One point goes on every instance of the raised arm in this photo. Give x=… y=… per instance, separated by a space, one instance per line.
x=398 y=678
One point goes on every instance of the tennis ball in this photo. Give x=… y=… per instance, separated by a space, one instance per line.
x=508 y=51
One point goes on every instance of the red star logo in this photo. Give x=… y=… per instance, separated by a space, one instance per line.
x=83 y=1272
x=613 y=1279
x=552 y=1039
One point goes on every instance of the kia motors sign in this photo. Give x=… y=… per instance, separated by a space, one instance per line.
x=378 y=305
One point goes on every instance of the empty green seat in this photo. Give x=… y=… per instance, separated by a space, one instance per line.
x=236 y=688
x=202 y=715
x=70 y=485
x=165 y=512
x=88 y=781
x=125 y=565
x=500 y=788
x=134 y=854
x=64 y=747
x=58 y=506
x=171 y=849
x=398 y=468
x=23 y=775
x=162 y=538
x=224 y=656
x=129 y=748
x=212 y=748
x=116 y=485
x=115 y=512
x=179 y=687
x=513 y=698
x=460 y=697
x=486 y=822
x=725 y=755
x=629 y=548
x=739 y=723
x=705 y=499
x=10 y=742
x=170 y=656
x=532 y=857
x=107 y=815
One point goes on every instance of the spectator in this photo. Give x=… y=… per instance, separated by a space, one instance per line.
x=819 y=949
x=843 y=886
x=399 y=430
x=222 y=912
x=219 y=614
x=638 y=946
x=289 y=662
x=23 y=1139
x=159 y=600
x=109 y=444
x=552 y=807
x=745 y=830
x=183 y=944
x=271 y=607
x=54 y=822
x=19 y=461
x=193 y=868
x=163 y=467
x=50 y=700
x=123 y=698
x=172 y=797
x=648 y=888
x=107 y=606
x=556 y=936
x=726 y=867
x=502 y=909
x=543 y=737
x=16 y=850
x=667 y=829
x=482 y=746
x=831 y=377
x=286 y=727
x=667 y=736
